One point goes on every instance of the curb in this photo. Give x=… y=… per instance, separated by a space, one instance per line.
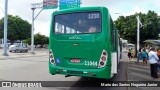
x=21 y=56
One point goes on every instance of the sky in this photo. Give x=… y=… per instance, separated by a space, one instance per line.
x=22 y=8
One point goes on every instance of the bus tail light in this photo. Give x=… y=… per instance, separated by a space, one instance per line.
x=103 y=59
x=51 y=57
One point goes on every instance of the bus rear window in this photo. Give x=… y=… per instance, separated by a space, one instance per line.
x=77 y=23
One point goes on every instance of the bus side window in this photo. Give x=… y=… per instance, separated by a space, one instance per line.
x=113 y=39
x=113 y=34
x=59 y=28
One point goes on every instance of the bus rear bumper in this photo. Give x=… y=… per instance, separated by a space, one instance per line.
x=104 y=73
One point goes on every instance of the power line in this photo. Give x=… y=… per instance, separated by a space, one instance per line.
x=2 y=9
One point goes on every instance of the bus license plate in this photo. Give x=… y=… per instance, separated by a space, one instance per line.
x=75 y=60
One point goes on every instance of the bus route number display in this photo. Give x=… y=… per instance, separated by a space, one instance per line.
x=93 y=16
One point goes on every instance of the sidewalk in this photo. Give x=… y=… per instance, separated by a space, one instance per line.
x=139 y=72
x=41 y=52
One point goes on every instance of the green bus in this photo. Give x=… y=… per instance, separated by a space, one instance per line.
x=83 y=42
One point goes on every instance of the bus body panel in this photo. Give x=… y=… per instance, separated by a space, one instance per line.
x=79 y=54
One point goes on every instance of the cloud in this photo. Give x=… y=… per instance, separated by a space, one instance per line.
x=44 y=29
x=128 y=13
x=22 y=8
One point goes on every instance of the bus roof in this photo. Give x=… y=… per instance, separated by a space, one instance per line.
x=80 y=9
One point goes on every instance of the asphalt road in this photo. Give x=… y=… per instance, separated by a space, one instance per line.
x=36 y=69
x=36 y=50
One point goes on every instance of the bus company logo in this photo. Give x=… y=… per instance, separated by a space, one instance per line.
x=75 y=37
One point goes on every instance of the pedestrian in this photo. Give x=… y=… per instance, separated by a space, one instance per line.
x=132 y=53
x=147 y=50
x=158 y=54
x=153 y=60
x=144 y=56
x=129 y=54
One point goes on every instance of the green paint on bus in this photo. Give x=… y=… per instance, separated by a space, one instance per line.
x=83 y=42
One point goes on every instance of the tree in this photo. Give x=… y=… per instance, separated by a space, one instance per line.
x=41 y=39
x=18 y=29
x=27 y=41
x=38 y=40
x=128 y=26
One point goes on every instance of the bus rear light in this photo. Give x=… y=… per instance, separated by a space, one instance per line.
x=52 y=61
x=101 y=63
x=104 y=53
x=50 y=52
x=103 y=59
x=51 y=57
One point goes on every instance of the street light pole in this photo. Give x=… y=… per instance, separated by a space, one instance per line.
x=34 y=6
x=137 y=38
x=5 y=28
x=32 y=32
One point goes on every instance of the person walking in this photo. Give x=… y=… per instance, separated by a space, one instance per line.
x=153 y=60
x=144 y=56
x=158 y=54
x=129 y=54
x=132 y=53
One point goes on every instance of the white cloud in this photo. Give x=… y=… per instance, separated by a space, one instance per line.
x=42 y=28
x=136 y=10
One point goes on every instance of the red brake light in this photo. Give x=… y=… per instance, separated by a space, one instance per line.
x=104 y=53
x=103 y=58
x=51 y=56
x=50 y=52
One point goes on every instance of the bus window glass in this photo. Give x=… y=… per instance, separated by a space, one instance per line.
x=79 y=22
x=59 y=28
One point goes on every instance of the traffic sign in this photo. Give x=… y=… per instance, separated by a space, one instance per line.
x=50 y=4
x=65 y=4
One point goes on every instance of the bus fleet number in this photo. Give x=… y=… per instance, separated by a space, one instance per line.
x=93 y=16
x=90 y=63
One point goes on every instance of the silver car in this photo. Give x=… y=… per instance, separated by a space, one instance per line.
x=17 y=48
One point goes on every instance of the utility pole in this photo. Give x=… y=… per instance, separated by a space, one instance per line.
x=5 y=29
x=32 y=32
x=34 y=6
x=138 y=36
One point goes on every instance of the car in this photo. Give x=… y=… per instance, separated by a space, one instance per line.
x=17 y=48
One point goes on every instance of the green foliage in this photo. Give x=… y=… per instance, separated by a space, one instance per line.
x=18 y=29
x=38 y=40
x=28 y=41
x=128 y=26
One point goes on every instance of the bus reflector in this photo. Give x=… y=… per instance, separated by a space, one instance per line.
x=103 y=59
x=51 y=58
